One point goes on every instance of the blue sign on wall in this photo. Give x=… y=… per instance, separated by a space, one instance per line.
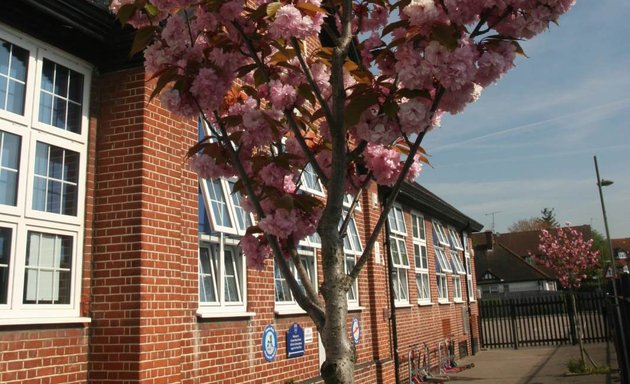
x=295 y=341
x=270 y=343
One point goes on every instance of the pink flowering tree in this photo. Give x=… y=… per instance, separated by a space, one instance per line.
x=569 y=256
x=348 y=88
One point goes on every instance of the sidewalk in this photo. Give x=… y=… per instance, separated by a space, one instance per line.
x=535 y=365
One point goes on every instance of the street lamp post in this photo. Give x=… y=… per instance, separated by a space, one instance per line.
x=624 y=350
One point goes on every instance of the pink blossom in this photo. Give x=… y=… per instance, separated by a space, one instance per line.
x=282 y=96
x=256 y=251
x=207 y=168
x=289 y=22
x=384 y=163
x=280 y=223
x=414 y=116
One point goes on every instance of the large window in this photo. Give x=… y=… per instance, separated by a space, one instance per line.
x=222 y=266
x=400 y=259
x=43 y=155
x=285 y=302
x=458 y=272
x=352 y=249
x=420 y=258
x=442 y=267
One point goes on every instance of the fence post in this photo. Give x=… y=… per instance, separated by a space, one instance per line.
x=572 y=324
x=512 y=303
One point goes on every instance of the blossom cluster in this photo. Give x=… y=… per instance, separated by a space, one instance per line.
x=257 y=74
x=565 y=252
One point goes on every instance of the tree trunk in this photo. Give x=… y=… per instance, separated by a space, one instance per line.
x=339 y=364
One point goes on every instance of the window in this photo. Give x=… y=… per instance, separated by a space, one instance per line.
x=454 y=237
x=310 y=181
x=221 y=277
x=458 y=270
x=442 y=266
x=469 y=272
x=400 y=259
x=222 y=266
x=439 y=236
x=352 y=249
x=285 y=302
x=44 y=99
x=420 y=258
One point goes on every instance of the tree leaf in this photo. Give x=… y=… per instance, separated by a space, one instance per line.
x=167 y=76
x=413 y=93
x=306 y=92
x=272 y=8
x=151 y=9
x=447 y=35
x=125 y=13
x=141 y=39
x=310 y=9
x=357 y=105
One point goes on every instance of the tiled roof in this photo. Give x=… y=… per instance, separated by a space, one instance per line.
x=506 y=266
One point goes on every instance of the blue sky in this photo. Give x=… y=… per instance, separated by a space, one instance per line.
x=529 y=142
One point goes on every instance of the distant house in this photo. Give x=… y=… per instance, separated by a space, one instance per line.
x=501 y=270
x=508 y=257
x=621 y=250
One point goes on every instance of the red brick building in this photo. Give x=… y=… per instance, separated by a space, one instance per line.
x=117 y=265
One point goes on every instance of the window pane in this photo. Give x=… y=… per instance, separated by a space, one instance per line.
x=9 y=164
x=217 y=200
x=55 y=185
x=232 y=292
x=404 y=289
x=60 y=97
x=403 y=252
x=48 y=269
x=13 y=64
x=5 y=259
x=283 y=293
x=207 y=276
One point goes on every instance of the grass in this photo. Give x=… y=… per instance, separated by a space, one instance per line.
x=579 y=367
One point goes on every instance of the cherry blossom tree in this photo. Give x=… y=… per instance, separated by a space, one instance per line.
x=347 y=88
x=569 y=256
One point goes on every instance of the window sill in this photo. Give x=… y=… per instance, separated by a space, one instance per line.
x=443 y=302
x=205 y=314
x=425 y=303
x=458 y=301
x=279 y=311
x=403 y=305
x=355 y=309
x=46 y=320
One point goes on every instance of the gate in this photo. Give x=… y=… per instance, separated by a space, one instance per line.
x=541 y=319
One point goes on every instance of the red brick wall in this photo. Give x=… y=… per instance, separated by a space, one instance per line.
x=43 y=355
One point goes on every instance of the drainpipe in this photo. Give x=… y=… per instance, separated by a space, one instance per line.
x=392 y=303
x=468 y=305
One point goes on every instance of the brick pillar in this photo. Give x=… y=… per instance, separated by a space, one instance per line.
x=143 y=288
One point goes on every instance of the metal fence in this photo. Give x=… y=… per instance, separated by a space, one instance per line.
x=549 y=319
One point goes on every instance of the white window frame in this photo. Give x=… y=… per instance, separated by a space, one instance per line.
x=454 y=237
x=421 y=258
x=442 y=266
x=458 y=272
x=291 y=306
x=400 y=256
x=21 y=218
x=438 y=230
x=221 y=307
x=309 y=172
x=469 y=272
x=352 y=249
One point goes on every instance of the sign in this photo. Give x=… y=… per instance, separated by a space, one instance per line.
x=295 y=341
x=609 y=272
x=270 y=343
x=356 y=330
x=308 y=335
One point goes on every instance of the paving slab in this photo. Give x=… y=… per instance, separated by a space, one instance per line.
x=535 y=365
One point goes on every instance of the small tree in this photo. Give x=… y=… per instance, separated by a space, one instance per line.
x=569 y=256
x=548 y=218
x=351 y=110
x=523 y=225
